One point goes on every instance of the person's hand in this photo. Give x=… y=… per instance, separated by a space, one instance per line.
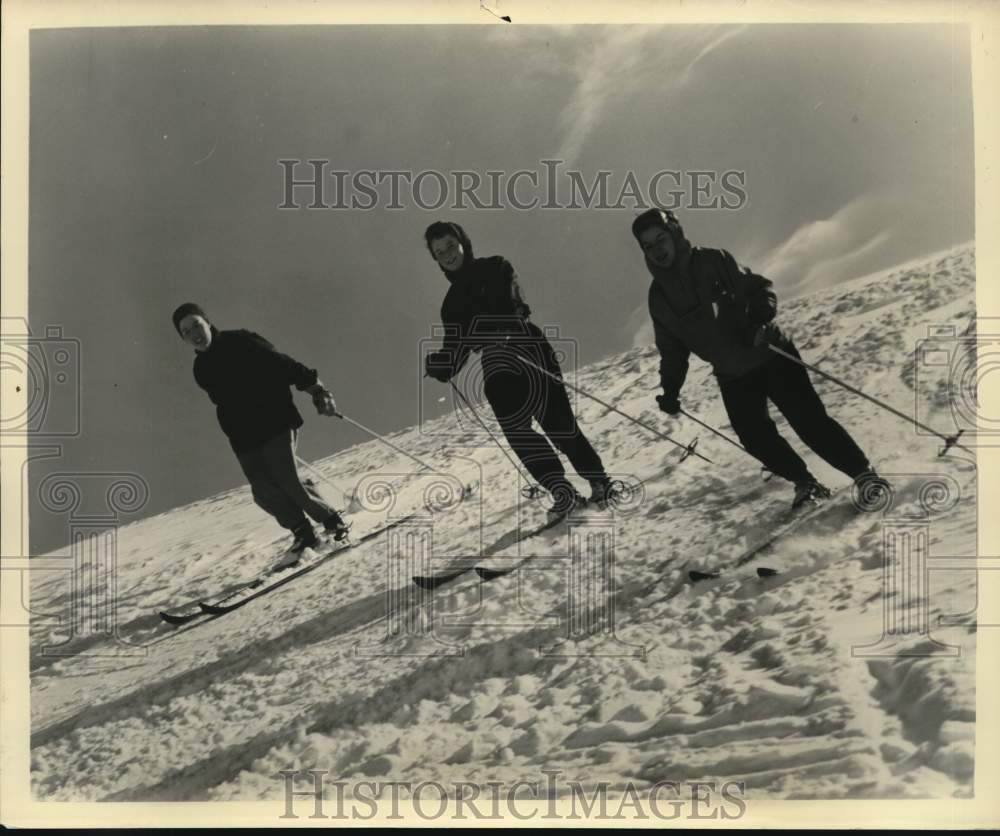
x=669 y=404
x=323 y=401
x=438 y=366
x=766 y=335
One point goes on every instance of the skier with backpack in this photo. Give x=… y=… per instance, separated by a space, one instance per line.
x=484 y=311
x=702 y=302
x=248 y=380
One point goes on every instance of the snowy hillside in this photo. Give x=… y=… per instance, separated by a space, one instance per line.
x=761 y=680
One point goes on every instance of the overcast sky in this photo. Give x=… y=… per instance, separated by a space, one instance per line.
x=155 y=180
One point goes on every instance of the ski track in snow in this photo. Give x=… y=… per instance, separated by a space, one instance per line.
x=741 y=678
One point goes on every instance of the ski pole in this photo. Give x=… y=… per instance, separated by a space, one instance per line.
x=530 y=491
x=721 y=435
x=949 y=440
x=385 y=441
x=764 y=471
x=314 y=470
x=688 y=448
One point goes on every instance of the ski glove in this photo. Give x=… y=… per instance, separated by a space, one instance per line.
x=323 y=400
x=438 y=365
x=767 y=334
x=669 y=404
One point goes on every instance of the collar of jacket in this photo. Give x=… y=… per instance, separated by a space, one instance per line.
x=215 y=337
x=463 y=273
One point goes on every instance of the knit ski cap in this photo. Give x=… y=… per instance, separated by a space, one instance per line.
x=187 y=309
x=661 y=218
x=439 y=229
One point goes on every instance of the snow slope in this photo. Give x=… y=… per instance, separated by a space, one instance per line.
x=760 y=680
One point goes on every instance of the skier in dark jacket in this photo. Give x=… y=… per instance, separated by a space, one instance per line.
x=248 y=381
x=701 y=301
x=485 y=311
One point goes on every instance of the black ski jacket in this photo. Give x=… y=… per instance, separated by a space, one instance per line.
x=484 y=310
x=706 y=304
x=248 y=380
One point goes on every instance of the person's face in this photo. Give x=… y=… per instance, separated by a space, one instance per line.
x=658 y=245
x=196 y=332
x=448 y=252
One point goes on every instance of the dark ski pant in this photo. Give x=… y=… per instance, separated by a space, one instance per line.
x=276 y=486
x=518 y=393
x=787 y=385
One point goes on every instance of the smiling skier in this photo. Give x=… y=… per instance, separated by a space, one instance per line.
x=248 y=381
x=485 y=311
x=702 y=302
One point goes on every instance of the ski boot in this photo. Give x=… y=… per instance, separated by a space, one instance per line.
x=565 y=501
x=335 y=525
x=810 y=491
x=602 y=491
x=305 y=538
x=610 y=493
x=872 y=492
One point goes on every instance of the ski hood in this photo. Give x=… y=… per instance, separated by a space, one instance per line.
x=440 y=228
x=682 y=248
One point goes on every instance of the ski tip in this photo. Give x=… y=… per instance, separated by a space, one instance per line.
x=433 y=581
x=171 y=618
x=696 y=576
x=489 y=574
x=764 y=572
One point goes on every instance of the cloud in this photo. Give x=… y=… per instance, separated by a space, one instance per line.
x=852 y=242
x=603 y=72
x=708 y=49
x=612 y=71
